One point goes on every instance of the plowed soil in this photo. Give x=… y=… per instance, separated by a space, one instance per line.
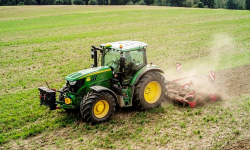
x=234 y=82
x=244 y=145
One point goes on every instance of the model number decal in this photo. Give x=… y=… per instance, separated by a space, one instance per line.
x=93 y=78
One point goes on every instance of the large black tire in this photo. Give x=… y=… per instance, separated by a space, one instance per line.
x=149 y=91
x=98 y=107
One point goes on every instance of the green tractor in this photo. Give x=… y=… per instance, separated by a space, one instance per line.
x=122 y=79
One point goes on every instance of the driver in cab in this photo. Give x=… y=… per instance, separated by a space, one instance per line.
x=129 y=64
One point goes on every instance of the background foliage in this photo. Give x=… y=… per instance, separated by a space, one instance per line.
x=226 y=4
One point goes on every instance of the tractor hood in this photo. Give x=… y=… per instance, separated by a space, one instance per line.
x=87 y=73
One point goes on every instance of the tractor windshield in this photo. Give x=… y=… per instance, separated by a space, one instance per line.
x=134 y=61
x=112 y=58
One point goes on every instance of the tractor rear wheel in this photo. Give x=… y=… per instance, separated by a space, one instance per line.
x=149 y=91
x=98 y=107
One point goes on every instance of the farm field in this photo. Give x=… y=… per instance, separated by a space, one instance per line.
x=46 y=43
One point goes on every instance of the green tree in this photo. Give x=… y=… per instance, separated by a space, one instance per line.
x=241 y=4
x=208 y=3
x=189 y=3
x=113 y=2
x=220 y=3
x=122 y=2
x=165 y=3
x=211 y=3
x=135 y=1
x=20 y=3
x=78 y=2
x=67 y=2
x=130 y=3
x=178 y=3
x=59 y=2
x=4 y=2
x=196 y=1
x=46 y=2
x=149 y=2
x=248 y=4
x=231 y=4
x=106 y=2
x=205 y=2
x=93 y=2
x=100 y=2
x=30 y=2
x=200 y=5
x=141 y=2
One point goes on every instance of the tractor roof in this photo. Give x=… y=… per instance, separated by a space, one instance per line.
x=125 y=46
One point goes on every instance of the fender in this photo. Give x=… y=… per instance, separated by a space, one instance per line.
x=101 y=88
x=142 y=72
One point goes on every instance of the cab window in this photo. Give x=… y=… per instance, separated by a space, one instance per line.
x=136 y=59
x=112 y=59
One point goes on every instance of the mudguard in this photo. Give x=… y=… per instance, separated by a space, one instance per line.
x=101 y=88
x=142 y=72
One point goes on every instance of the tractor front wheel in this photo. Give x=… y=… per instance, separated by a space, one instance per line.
x=149 y=91
x=98 y=107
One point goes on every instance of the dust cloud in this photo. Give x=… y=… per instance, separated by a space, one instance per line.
x=221 y=44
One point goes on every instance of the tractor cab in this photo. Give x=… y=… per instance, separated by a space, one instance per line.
x=125 y=58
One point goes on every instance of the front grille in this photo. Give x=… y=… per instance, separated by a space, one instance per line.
x=77 y=86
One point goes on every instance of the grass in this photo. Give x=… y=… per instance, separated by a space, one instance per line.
x=46 y=43
x=161 y=127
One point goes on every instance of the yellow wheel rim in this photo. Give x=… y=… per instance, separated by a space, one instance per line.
x=152 y=92
x=101 y=108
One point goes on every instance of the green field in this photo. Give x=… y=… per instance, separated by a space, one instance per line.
x=46 y=43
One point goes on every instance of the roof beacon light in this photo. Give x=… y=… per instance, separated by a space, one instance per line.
x=120 y=46
x=108 y=45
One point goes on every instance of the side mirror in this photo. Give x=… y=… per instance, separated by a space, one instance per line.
x=92 y=53
x=122 y=63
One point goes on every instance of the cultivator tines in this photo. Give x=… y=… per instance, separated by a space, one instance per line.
x=185 y=94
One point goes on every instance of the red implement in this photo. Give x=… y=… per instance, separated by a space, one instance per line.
x=185 y=94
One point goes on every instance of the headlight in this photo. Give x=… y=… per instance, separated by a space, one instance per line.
x=72 y=82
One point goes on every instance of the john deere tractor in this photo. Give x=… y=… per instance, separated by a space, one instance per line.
x=122 y=79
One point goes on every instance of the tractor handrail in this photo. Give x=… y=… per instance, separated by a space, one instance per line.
x=96 y=48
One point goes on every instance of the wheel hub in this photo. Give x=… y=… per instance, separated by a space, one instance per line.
x=101 y=108
x=147 y=90
x=152 y=92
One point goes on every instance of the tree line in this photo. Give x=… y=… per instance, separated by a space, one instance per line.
x=226 y=4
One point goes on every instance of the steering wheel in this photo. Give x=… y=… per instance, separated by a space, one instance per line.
x=136 y=67
x=138 y=63
x=114 y=63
